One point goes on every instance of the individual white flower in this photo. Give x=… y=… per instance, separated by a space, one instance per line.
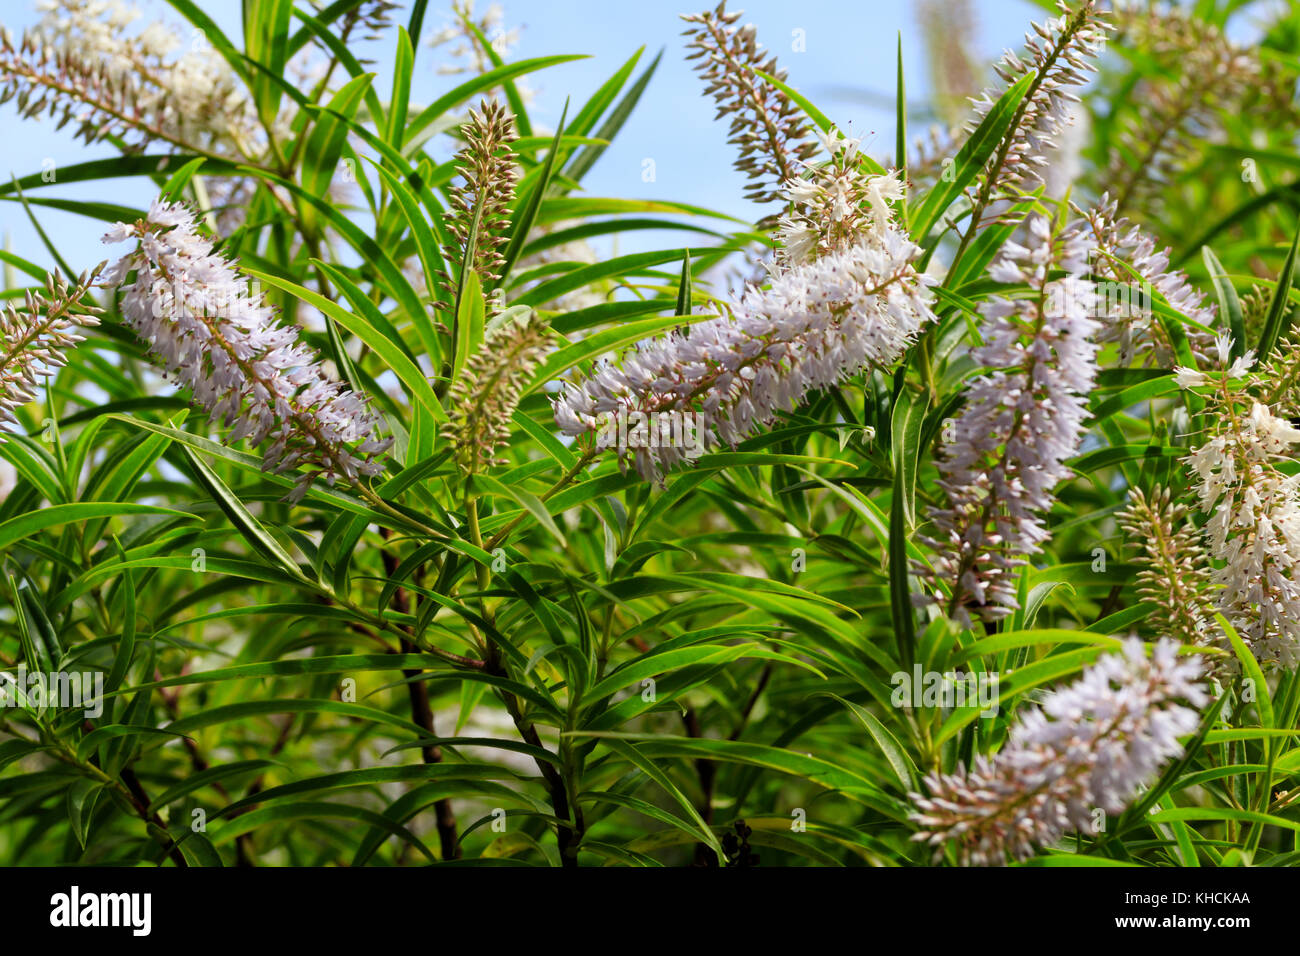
x=157 y=41
x=834 y=141
x=227 y=347
x=1241 y=365
x=883 y=190
x=1223 y=347
x=1189 y=377
x=1091 y=746
x=800 y=242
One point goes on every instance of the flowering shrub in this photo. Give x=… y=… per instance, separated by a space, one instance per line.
x=367 y=507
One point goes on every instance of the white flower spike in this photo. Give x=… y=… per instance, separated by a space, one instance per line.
x=228 y=348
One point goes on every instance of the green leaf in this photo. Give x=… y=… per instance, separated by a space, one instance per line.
x=632 y=755
x=591 y=111
x=1229 y=304
x=1250 y=667
x=258 y=708
x=513 y=96
x=100 y=735
x=1018 y=682
x=395 y=283
x=900 y=762
x=1035 y=637
x=213 y=34
x=821 y=772
x=320 y=157
x=684 y=287
x=820 y=120
x=417 y=19
x=318 y=27
x=426 y=246
x=95 y=170
x=1275 y=325
x=397 y=104
x=23 y=526
x=252 y=464
x=198 y=850
x=900 y=126
x=529 y=502
x=630 y=675
x=607 y=340
x=493 y=77
x=177 y=182
x=900 y=592
x=266 y=41
x=529 y=203
x=126 y=643
x=239 y=515
x=206 y=778
x=617 y=267
x=971 y=158
x=583 y=162
x=1224 y=813
x=1134 y=395
x=908 y=416
x=314 y=810
x=81 y=799
x=470 y=311
x=417 y=385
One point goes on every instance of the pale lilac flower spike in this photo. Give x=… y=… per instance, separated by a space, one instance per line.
x=1122 y=247
x=1091 y=747
x=228 y=348
x=1021 y=422
x=817 y=324
x=1061 y=51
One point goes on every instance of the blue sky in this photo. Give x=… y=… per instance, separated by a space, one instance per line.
x=846 y=68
